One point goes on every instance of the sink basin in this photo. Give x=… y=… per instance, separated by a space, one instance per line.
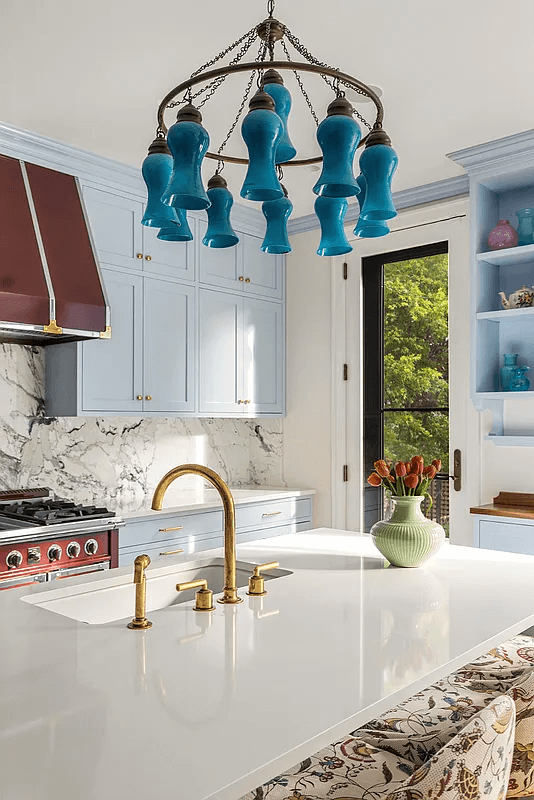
x=113 y=599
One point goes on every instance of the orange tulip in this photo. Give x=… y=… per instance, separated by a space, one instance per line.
x=374 y=479
x=411 y=480
x=430 y=472
x=437 y=464
x=400 y=469
x=382 y=468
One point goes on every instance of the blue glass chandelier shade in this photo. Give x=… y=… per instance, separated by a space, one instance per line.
x=219 y=233
x=277 y=213
x=331 y=213
x=262 y=130
x=188 y=142
x=157 y=169
x=177 y=233
x=368 y=229
x=378 y=163
x=338 y=136
x=273 y=85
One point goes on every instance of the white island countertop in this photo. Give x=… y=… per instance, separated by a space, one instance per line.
x=211 y=705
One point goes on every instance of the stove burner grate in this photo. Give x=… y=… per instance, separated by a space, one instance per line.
x=53 y=511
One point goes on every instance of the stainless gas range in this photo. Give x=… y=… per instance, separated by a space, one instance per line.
x=43 y=538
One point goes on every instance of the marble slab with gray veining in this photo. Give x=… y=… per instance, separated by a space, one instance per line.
x=119 y=460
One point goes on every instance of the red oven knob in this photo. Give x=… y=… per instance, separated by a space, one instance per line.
x=14 y=559
x=91 y=546
x=54 y=552
x=73 y=549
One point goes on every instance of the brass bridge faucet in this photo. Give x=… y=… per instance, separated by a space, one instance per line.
x=140 y=622
x=230 y=590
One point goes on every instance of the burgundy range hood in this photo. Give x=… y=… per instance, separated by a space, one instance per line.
x=50 y=285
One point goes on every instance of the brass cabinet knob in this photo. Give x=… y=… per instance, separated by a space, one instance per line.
x=148 y=258
x=256 y=582
x=148 y=397
x=139 y=255
x=139 y=397
x=247 y=280
x=241 y=278
x=246 y=402
x=204 y=596
x=239 y=402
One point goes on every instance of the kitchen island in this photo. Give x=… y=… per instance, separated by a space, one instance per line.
x=209 y=705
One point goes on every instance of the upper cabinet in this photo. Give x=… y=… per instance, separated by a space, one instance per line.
x=501 y=182
x=122 y=241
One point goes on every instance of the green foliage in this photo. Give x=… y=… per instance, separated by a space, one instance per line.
x=416 y=358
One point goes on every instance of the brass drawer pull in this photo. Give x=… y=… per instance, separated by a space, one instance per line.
x=164 y=530
x=271 y=514
x=139 y=255
x=148 y=258
x=247 y=280
x=139 y=396
x=241 y=278
x=172 y=552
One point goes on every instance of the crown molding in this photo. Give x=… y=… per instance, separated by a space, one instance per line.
x=99 y=170
x=516 y=148
x=407 y=198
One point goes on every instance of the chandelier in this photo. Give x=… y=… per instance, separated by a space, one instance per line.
x=172 y=168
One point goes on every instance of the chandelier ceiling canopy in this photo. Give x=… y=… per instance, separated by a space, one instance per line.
x=172 y=168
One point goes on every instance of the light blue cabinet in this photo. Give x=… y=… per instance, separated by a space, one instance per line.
x=507 y=534
x=263 y=272
x=241 y=349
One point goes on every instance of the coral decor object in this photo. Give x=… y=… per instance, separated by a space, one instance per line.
x=503 y=235
x=407 y=538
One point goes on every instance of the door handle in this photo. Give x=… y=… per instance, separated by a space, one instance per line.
x=457 y=471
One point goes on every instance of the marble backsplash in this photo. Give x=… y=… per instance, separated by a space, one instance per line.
x=119 y=460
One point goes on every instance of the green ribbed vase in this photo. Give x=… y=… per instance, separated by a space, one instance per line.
x=407 y=538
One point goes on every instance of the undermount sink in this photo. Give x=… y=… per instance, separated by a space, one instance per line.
x=113 y=599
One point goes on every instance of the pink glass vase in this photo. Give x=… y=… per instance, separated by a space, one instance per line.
x=503 y=235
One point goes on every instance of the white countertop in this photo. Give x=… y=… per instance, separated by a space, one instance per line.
x=178 y=500
x=210 y=705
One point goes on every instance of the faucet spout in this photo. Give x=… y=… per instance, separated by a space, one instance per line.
x=230 y=590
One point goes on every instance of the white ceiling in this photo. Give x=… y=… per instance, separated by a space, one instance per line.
x=92 y=72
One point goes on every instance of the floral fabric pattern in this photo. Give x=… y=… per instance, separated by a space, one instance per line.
x=475 y=763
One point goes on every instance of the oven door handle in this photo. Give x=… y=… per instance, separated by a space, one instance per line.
x=67 y=572
x=21 y=580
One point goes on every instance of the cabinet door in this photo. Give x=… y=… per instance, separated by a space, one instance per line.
x=175 y=259
x=510 y=537
x=112 y=368
x=263 y=272
x=169 y=346
x=221 y=348
x=116 y=226
x=263 y=359
x=220 y=267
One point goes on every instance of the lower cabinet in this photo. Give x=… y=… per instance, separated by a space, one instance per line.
x=147 y=365
x=241 y=355
x=505 y=533
x=165 y=535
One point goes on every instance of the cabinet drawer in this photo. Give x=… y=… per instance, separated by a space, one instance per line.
x=272 y=513
x=165 y=528
x=507 y=536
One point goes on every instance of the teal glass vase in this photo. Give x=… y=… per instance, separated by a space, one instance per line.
x=261 y=130
x=331 y=214
x=219 y=233
x=508 y=371
x=378 y=163
x=519 y=382
x=177 y=233
x=407 y=538
x=338 y=136
x=274 y=86
x=525 y=226
x=277 y=213
x=157 y=170
x=368 y=228
x=188 y=142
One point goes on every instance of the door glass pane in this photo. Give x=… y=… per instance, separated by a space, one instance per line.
x=416 y=351
x=424 y=433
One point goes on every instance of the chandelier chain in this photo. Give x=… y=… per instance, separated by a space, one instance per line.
x=239 y=112
x=251 y=34
x=270 y=8
x=301 y=85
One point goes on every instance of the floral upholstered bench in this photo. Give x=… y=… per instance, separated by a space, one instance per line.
x=475 y=763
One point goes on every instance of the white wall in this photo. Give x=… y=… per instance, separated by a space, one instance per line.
x=307 y=436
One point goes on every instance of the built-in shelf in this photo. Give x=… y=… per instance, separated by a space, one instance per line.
x=506 y=315
x=520 y=440
x=503 y=395
x=511 y=255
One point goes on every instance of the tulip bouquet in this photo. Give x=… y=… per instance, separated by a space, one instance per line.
x=405 y=478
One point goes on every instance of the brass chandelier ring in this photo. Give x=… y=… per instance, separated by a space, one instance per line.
x=260 y=66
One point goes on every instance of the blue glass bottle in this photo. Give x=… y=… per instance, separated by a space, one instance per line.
x=368 y=229
x=219 y=233
x=519 y=382
x=157 y=169
x=277 y=213
x=331 y=213
x=177 y=233
x=338 y=136
x=274 y=86
x=508 y=370
x=525 y=226
x=188 y=142
x=378 y=163
x=261 y=129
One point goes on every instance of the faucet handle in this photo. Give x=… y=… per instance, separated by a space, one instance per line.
x=256 y=582
x=204 y=596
